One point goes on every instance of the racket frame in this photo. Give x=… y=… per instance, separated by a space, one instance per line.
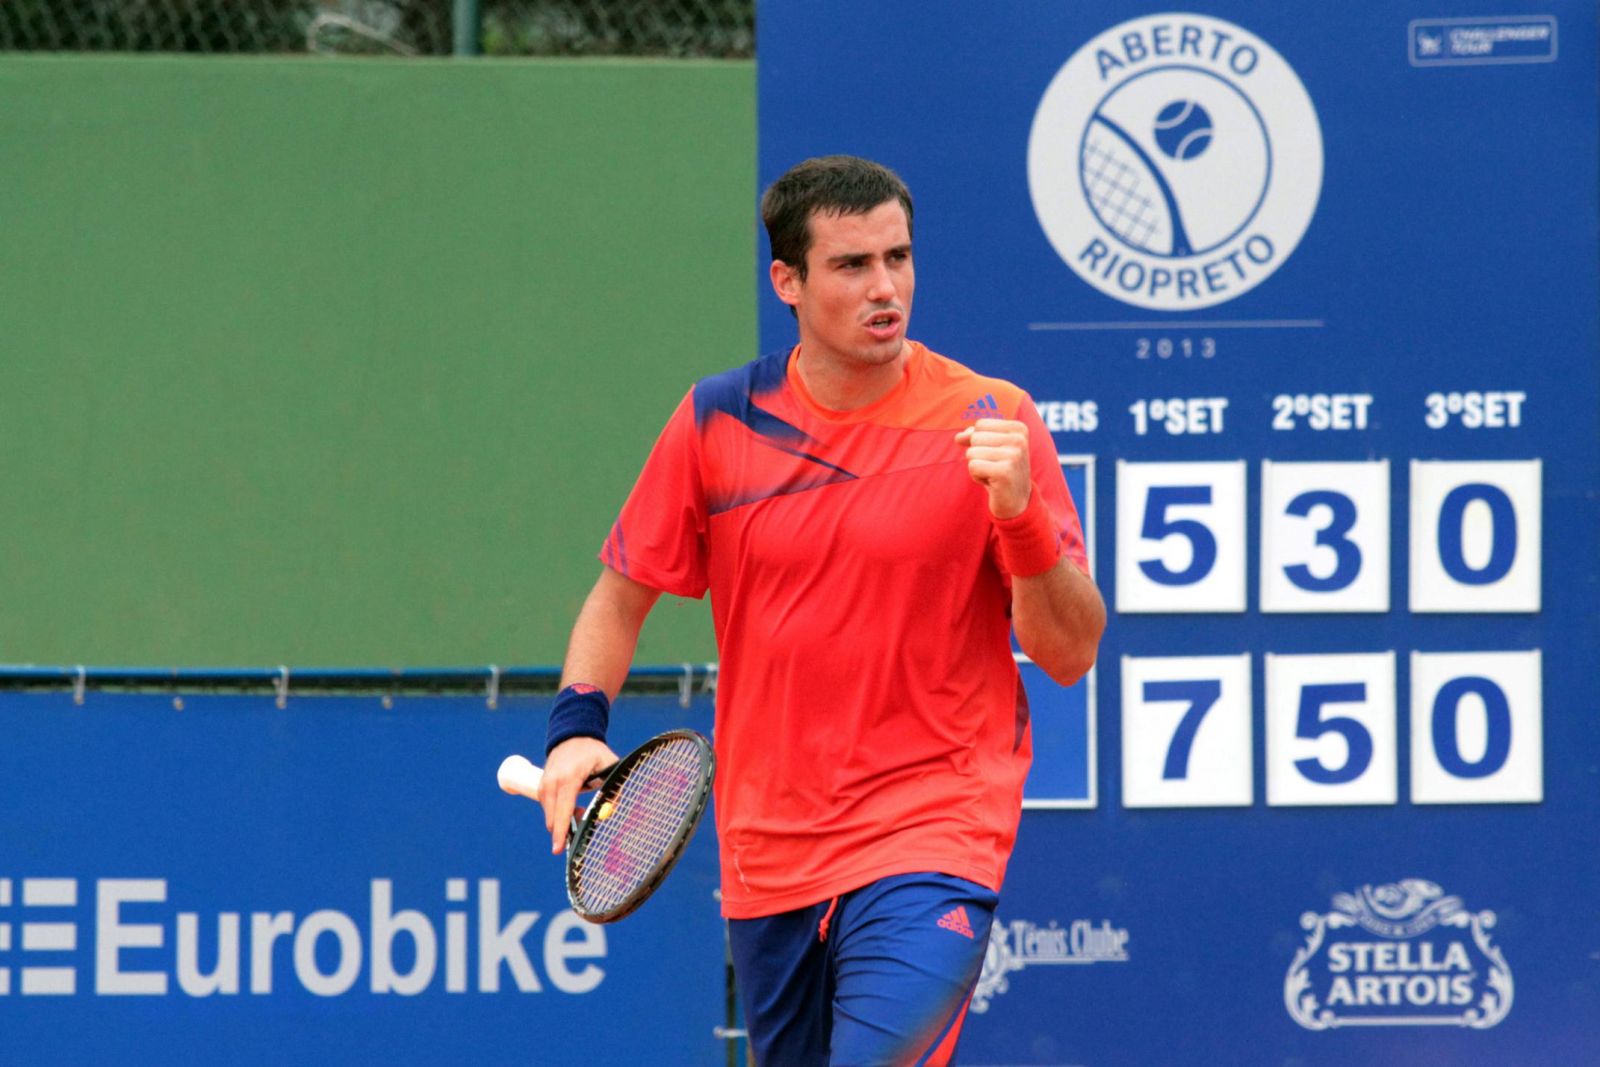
x=592 y=817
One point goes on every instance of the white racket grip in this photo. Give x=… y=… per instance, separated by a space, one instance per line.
x=519 y=777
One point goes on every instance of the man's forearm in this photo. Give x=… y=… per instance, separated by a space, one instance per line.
x=1058 y=617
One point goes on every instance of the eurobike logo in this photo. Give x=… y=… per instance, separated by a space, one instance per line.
x=1398 y=955
x=1175 y=161
x=1019 y=943
x=135 y=944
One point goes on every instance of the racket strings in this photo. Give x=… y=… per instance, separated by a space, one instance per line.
x=649 y=810
x=1117 y=190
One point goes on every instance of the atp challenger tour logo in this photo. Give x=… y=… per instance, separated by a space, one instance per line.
x=1398 y=955
x=1019 y=943
x=1175 y=161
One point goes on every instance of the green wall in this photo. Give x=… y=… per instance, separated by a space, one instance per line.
x=340 y=363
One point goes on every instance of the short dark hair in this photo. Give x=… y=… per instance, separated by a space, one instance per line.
x=832 y=185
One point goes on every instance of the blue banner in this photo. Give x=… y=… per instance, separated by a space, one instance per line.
x=1312 y=294
x=217 y=879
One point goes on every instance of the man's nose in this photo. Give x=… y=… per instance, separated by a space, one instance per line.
x=880 y=286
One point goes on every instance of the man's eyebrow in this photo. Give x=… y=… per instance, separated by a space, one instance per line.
x=847 y=257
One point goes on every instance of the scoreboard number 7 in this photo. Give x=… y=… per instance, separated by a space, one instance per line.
x=1186 y=734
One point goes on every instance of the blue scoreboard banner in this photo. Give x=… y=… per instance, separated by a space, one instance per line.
x=1308 y=297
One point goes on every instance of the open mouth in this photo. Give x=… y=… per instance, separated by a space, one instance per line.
x=884 y=322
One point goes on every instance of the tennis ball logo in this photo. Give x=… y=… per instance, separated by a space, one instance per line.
x=1183 y=129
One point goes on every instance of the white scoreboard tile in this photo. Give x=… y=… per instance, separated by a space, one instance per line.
x=1186 y=735
x=1324 y=537
x=1476 y=541
x=1331 y=730
x=1477 y=728
x=1180 y=537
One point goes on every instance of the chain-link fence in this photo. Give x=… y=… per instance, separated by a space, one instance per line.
x=710 y=28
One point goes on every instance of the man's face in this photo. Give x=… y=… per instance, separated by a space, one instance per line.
x=855 y=300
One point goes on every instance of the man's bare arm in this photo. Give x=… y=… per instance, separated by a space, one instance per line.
x=599 y=653
x=1058 y=615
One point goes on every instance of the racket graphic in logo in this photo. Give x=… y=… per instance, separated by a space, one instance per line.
x=1127 y=192
x=1175 y=161
x=1125 y=185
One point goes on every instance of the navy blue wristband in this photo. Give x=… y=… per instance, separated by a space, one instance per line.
x=580 y=710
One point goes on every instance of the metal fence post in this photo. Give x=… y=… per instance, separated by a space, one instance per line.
x=468 y=28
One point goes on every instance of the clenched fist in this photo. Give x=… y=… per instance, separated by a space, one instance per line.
x=997 y=459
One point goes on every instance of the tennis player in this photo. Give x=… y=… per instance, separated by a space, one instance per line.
x=873 y=521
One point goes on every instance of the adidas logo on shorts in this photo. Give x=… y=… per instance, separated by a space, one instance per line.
x=956 y=919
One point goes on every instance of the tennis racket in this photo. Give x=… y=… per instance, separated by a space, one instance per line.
x=637 y=824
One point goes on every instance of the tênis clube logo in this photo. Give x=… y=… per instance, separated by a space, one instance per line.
x=1175 y=161
x=1020 y=943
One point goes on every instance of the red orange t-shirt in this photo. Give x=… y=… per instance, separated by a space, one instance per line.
x=870 y=719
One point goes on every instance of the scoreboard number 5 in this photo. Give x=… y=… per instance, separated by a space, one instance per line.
x=1331 y=730
x=1180 y=537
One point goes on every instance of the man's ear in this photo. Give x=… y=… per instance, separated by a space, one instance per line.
x=786 y=282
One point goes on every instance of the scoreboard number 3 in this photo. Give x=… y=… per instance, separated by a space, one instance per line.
x=1324 y=537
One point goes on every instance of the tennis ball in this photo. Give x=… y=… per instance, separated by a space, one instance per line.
x=1183 y=129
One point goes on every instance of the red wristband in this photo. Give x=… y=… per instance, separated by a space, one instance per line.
x=1030 y=544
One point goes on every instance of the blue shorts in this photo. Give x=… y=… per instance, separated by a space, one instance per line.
x=880 y=975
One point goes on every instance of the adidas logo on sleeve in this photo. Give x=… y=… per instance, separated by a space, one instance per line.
x=982 y=408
